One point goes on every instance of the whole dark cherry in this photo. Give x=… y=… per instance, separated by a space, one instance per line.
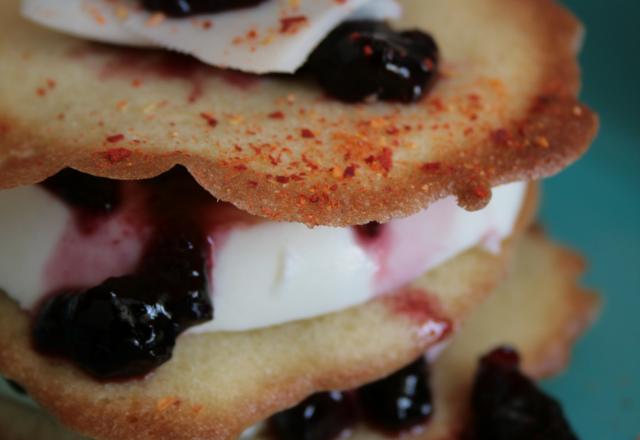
x=322 y=416
x=368 y=59
x=184 y=8
x=119 y=329
x=400 y=401
x=126 y=327
x=509 y=406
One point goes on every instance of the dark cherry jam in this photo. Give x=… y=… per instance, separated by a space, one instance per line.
x=185 y=8
x=89 y=194
x=127 y=326
x=400 y=401
x=367 y=59
x=506 y=405
x=509 y=406
x=393 y=405
x=322 y=416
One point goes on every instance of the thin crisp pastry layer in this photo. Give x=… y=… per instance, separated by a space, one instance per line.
x=217 y=384
x=504 y=109
x=539 y=309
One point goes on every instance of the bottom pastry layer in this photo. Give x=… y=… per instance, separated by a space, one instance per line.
x=540 y=310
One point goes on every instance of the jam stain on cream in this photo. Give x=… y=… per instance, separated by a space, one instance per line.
x=127 y=326
x=139 y=65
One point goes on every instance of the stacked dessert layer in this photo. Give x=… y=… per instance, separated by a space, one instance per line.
x=315 y=224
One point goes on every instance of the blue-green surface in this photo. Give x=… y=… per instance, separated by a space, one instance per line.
x=595 y=207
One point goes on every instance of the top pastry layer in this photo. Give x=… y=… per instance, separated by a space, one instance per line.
x=504 y=109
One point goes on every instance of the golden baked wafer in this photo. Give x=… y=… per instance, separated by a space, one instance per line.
x=539 y=309
x=504 y=109
x=217 y=384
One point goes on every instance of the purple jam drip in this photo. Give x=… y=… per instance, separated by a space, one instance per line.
x=127 y=326
x=186 y=8
x=91 y=195
x=509 y=406
x=370 y=231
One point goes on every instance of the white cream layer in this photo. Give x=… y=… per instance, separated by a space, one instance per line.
x=263 y=274
x=275 y=36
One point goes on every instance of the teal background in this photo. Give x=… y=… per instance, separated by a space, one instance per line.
x=595 y=207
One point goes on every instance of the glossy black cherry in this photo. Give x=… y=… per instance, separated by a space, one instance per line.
x=400 y=401
x=509 y=406
x=127 y=326
x=367 y=59
x=90 y=194
x=323 y=416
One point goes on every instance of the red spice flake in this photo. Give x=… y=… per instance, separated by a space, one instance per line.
x=51 y=83
x=311 y=164
x=207 y=24
x=473 y=97
x=386 y=159
x=437 y=104
x=4 y=128
x=392 y=131
x=136 y=83
x=116 y=155
x=432 y=167
x=240 y=167
x=276 y=115
x=501 y=137
x=41 y=91
x=211 y=120
x=307 y=134
x=115 y=138
x=542 y=142
x=482 y=191
x=166 y=403
x=350 y=171
x=282 y=179
x=253 y=183
x=290 y=25
x=274 y=160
